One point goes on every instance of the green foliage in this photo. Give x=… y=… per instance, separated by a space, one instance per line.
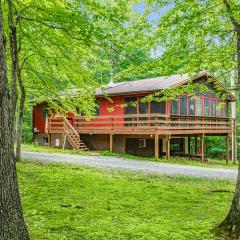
x=70 y=202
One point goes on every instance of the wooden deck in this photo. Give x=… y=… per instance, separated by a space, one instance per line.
x=146 y=124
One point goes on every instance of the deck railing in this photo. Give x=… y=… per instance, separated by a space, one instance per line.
x=144 y=121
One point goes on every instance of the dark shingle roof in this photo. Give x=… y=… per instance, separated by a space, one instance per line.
x=144 y=85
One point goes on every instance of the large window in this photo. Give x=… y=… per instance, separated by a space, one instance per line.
x=131 y=107
x=142 y=106
x=206 y=107
x=158 y=107
x=174 y=106
x=191 y=106
x=183 y=105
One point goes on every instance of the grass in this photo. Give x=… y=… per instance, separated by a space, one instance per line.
x=212 y=163
x=40 y=148
x=69 y=202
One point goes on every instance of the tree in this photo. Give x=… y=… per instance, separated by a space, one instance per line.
x=46 y=51
x=12 y=225
x=195 y=35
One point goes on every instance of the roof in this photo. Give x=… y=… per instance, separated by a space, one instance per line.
x=152 y=84
x=144 y=85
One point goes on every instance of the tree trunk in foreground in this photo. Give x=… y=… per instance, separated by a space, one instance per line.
x=230 y=227
x=12 y=225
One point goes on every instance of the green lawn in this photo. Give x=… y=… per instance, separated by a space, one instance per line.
x=69 y=202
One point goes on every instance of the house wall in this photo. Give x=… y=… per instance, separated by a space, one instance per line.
x=39 y=122
x=96 y=141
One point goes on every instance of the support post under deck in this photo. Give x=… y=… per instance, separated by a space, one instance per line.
x=196 y=145
x=168 y=147
x=111 y=143
x=49 y=139
x=202 y=148
x=156 y=147
x=227 y=148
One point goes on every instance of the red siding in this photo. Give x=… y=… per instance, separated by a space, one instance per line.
x=105 y=109
x=116 y=103
x=38 y=121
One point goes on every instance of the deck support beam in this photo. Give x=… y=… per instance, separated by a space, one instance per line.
x=168 y=147
x=202 y=148
x=234 y=146
x=189 y=146
x=111 y=143
x=227 y=148
x=156 y=147
x=49 y=139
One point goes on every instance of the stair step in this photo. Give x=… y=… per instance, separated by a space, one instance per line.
x=73 y=137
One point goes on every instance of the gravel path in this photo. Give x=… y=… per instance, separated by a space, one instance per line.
x=134 y=165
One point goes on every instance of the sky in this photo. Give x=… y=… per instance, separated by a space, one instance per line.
x=154 y=16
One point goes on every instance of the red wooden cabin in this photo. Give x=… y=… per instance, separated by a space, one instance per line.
x=146 y=128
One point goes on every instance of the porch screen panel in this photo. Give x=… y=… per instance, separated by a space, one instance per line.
x=158 y=107
x=219 y=109
x=191 y=106
x=214 y=108
x=206 y=107
x=174 y=106
x=183 y=105
x=198 y=106
x=131 y=107
x=225 y=110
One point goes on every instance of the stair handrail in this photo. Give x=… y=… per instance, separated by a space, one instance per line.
x=69 y=125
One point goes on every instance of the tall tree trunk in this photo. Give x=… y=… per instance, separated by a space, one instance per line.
x=20 y=116
x=230 y=227
x=12 y=225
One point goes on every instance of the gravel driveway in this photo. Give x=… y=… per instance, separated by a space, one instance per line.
x=134 y=165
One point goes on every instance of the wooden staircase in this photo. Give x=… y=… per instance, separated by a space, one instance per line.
x=73 y=136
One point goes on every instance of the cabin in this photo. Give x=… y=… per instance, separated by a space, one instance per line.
x=125 y=124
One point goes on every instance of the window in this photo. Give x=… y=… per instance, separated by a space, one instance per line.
x=198 y=106
x=206 y=107
x=158 y=107
x=191 y=106
x=45 y=140
x=174 y=106
x=131 y=107
x=97 y=104
x=142 y=143
x=183 y=105
x=44 y=112
x=142 y=106
x=214 y=110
